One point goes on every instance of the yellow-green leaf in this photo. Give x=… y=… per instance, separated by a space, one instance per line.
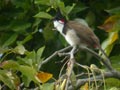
x=43 y=15
x=20 y=49
x=111 y=24
x=108 y=44
x=9 y=65
x=114 y=11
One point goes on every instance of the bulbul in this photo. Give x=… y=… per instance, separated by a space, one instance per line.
x=76 y=34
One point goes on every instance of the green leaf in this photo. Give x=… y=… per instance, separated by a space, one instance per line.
x=21 y=4
x=111 y=82
x=61 y=6
x=39 y=53
x=10 y=65
x=20 y=26
x=29 y=73
x=108 y=44
x=47 y=86
x=42 y=2
x=5 y=77
x=43 y=15
x=115 y=60
x=114 y=11
x=90 y=18
x=73 y=79
x=30 y=59
x=68 y=9
x=26 y=39
x=20 y=49
x=48 y=33
x=10 y=40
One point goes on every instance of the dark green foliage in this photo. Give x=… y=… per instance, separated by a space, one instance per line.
x=27 y=38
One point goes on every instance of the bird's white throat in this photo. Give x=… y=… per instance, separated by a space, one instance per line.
x=71 y=36
x=59 y=26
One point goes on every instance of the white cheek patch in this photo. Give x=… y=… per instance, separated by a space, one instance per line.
x=55 y=24
x=59 y=26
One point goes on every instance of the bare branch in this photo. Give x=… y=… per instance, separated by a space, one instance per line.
x=69 y=71
x=109 y=74
x=53 y=55
x=108 y=66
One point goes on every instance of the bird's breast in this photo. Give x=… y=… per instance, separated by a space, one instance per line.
x=72 y=38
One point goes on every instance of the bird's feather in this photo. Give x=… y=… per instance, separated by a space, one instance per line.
x=81 y=31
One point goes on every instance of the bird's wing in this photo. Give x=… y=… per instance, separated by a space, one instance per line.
x=85 y=33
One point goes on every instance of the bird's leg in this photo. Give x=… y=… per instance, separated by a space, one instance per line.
x=72 y=52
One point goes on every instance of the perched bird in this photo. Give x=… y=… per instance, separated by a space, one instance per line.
x=76 y=34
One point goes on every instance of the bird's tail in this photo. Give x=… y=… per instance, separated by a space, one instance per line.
x=105 y=59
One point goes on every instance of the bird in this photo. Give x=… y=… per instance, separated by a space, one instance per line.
x=77 y=34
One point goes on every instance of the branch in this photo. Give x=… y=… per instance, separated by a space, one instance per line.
x=109 y=74
x=69 y=71
x=53 y=55
x=108 y=66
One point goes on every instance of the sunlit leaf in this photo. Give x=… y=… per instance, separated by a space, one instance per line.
x=43 y=76
x=108 y=44
x=42 y=2
x=16 y=79
x=6 y=79
x=114 y=88
x=39 y=53
x=20 y=49
x=47 y=86
x=85 y=87
x=9 y=65
x=29 y=59
x=62 y=85
x=28 y=73
x=114 y=11
x=43 y=15
x=61 y=6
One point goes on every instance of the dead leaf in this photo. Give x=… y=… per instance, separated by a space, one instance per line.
x=44 y=77
x=107 y=26
x=111 y=23
x=85 y=87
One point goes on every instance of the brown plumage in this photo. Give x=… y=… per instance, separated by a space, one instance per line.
x=85 y=34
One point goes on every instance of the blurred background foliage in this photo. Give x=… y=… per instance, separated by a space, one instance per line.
x=27 y=38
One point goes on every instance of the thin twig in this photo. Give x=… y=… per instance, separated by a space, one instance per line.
x=108 y=66
x=62 y=68
x=53 y=55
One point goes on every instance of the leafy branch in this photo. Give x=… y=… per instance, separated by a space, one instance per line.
x=111 y=73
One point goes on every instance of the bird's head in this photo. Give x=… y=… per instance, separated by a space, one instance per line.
x=59 y=20
x=59 y=17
